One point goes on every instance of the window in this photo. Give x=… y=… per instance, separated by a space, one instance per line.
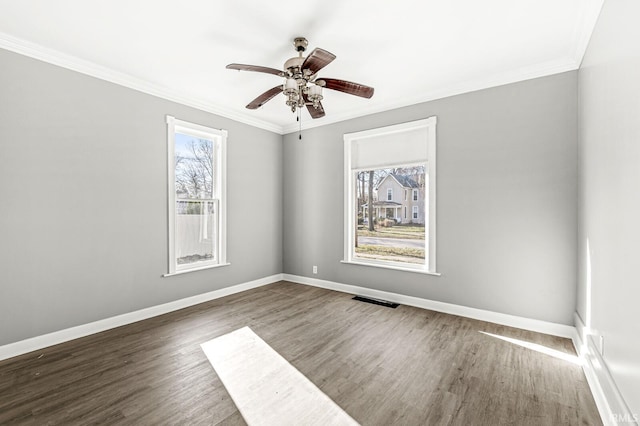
x=376 y=229
x=197 y=196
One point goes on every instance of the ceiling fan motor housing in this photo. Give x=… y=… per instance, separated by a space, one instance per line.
x=300 y=44
x=293 y=63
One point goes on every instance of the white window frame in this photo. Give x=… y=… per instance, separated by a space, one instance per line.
x=389 y=194
x=415 y=212
x=414 y=195
x=350 y=177
x=219 y=139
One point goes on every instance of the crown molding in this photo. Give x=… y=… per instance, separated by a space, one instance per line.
x=584 y=29
x=583 y=32
x=522 y=74
x=82 y=66
x=582 y=35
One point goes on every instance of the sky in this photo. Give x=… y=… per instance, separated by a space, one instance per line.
x=182 y=143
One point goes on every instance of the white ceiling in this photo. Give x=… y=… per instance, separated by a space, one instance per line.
x=408 y=50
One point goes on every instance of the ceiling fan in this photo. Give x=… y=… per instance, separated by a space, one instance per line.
x=302 y=86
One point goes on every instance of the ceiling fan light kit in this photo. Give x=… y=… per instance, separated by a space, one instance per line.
x=302 y=87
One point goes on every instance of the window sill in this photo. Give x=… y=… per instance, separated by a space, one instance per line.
x=202 y=268
x=394 y=267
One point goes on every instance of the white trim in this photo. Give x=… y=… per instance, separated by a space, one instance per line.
x=393 y=129
x=605 y=392
x=429 y=125
x=349 y=197
x=82 y=66
x=584 y=29
x=222 y=207
x=396 y=266
x=539 y=326
x=194 y=129
x=218 y=138
x=61 y=336
x=430 y=210
x=201 y=268
x=171 y=193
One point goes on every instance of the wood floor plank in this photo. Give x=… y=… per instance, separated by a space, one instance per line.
x=382 y=366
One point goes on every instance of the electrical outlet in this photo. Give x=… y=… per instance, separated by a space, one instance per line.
x=315 y=269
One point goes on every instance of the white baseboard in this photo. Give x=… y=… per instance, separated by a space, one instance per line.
x=39 y=342
x=609 y=400
x=35 y=343
x=545 y=327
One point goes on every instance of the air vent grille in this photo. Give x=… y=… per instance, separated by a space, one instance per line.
x=376 y=301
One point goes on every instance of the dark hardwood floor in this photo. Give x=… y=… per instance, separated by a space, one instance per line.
x=383 y=366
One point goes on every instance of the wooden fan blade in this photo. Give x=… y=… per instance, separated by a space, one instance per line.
x=315 y=113
x=317 y=60
x=255 y=68
x=264 y=98
x=346 y=87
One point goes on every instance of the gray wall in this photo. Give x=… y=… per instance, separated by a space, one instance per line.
x=83 y=221
x=609 y=183
x=83 y=216
x=506 y=206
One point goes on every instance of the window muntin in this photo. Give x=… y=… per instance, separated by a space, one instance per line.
x=197 y=196
x=415 y=212
x=401 y=146
x=389 y=194
x=415 y=195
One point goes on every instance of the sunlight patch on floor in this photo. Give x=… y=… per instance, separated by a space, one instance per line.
x=267 y=389
x=538 y=348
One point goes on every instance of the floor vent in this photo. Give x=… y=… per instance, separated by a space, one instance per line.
x=376 y=301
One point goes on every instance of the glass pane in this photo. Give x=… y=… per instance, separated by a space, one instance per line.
x=390 y=235
x=194 y=167
x=195 y=231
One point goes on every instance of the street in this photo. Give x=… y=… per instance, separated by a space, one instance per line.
x=392 y=242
